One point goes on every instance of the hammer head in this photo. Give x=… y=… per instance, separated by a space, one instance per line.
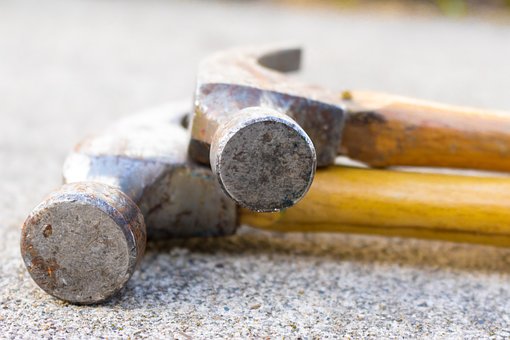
x=145 y=156
x=83 y=242
x=265 y=163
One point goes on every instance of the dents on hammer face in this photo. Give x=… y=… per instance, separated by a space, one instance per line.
x=47 y=230
x=267 y=138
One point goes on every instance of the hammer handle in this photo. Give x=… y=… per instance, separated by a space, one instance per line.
x=428 y=206
x=384 y=130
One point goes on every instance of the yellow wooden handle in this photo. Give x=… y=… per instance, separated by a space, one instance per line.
x=368 y=201
x=384 y=130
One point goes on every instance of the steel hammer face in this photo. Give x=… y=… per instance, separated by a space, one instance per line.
x=83 y=243
x=252 y=174
x=255 y=127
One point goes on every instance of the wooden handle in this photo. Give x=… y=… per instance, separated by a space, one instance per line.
x=384 y=130
x=368 y=201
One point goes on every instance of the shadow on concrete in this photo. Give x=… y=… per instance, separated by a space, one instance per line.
x=179 y=271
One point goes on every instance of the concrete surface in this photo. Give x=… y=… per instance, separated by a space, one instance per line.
x=69 y=67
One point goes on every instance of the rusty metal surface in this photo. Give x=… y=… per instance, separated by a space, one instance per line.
x=187 y=202
x=276 y=175
x=231 y=81
x=83 y=243
x=145 y=157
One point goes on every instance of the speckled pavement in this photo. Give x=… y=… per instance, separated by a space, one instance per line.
x=67 y=68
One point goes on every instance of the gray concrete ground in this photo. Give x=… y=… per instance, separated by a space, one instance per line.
x=67 y=68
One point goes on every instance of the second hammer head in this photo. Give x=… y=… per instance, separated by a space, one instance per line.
x=255 y=126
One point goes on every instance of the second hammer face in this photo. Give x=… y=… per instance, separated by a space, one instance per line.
x=83 y=243
x=263 y=159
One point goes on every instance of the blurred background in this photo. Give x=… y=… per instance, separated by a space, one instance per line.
x=71 y=67
x=453 y=8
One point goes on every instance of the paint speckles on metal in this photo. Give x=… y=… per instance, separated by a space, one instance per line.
x=83 y=243
x=263 y=159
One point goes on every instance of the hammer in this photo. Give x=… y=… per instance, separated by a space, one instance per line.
x=265 y=163
x=83 y=243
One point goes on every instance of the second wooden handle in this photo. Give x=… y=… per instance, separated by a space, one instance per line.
x=384 y=130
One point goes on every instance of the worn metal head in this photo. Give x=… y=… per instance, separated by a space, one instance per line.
x=145 y=156
x=268 y=162
x=82 y=244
